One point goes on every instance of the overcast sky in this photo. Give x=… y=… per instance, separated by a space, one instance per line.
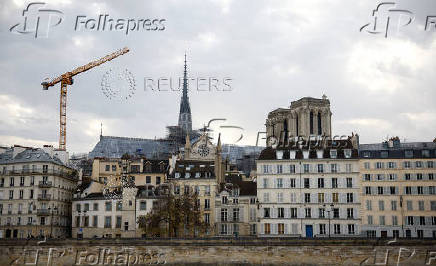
x=275 y=52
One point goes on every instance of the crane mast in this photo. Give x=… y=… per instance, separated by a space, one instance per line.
x=67 y=79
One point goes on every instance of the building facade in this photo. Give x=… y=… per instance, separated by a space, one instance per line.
x=36 y=189
x=398 y=189
x=312 y=192
x=236 y=208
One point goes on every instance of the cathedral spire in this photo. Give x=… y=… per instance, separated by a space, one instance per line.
x=185 y=120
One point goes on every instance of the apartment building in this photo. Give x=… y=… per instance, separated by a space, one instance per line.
x=36 y=188
x=398 y=189
x=307 y=189
x=236 y=208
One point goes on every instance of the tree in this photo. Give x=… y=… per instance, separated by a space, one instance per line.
x=173 y=216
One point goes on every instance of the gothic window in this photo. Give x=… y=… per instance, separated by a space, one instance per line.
x=319 y=124
x=311 y=122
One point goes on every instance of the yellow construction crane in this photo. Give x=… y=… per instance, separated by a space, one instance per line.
x=67 y=79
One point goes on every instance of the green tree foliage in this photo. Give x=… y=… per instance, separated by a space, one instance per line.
x=174 y=216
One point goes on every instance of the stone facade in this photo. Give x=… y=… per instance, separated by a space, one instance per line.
x=36 y=188
x=398 y=189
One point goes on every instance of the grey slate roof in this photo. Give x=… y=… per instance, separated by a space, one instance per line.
x=27 y=156
x=115 y=147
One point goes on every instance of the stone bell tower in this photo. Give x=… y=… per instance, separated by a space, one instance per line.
x=305 y=117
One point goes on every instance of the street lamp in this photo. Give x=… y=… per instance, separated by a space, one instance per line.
x=51 y=220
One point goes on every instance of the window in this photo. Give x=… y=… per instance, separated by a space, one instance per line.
x=381 y=220
x=394 y=220
x=408 y=190
x=368 y=205
x=380 y=190
x=392 y=177
x=206 y=204
x=349 y=197
x=108 y=206
x=320 y=182
x=381 y=205
x=393 y=190
x=320 y=197
x=409 y=220
x=86 y=207
x=421 y=220
x=279 y=182
x=368 y=190
x=392 y=165
x=420 y=190
x=429 y=164
x=177 y=190
x=430 y=176
x=306 y=168
x=351 y=229
x=281 y=213
x=407 y=164
x=279 y=197
x=370 y=220
x=223 y=230
x=11 y=194
x=280 y=228
x=266 y=213
x=148 y=179
x=333 y=154
x=223 y=215
x=334 y=182
x=335 y=212
x=21 y=194
x=306 y=183
x=307 y=197
x=320 y=168
x=366 y=165
x=409 y=205
x=118 y=222
x=293 y=197
x=22 y=181
x=266 y=169
x=421 y=205
x=379 y=165
x=308 y=212
x=418 y=176
x=292 y=169
x=407 y=176
x=224 y=200
x=335 y=197
x=350 y=213
x=107 y=222
x=95 y=221
x=279 y=169
x=292 y=182
x=207 y=218
x=107 y=168
x=265 y=183
x=433 y=205
x=349 y=182
x=408 y=153
x=143 y=205
x=321 y=213
x=418 y=164
x=431 y=190
x=394 y=205
x=235 y=214
x=293 y=212
x=95 y=208
x=11 y=182
x=267 y=229
x=337 y=229
x=333 y=168
x=119 y=206
x=347 y=153
x=322 y=230
x=266 y=197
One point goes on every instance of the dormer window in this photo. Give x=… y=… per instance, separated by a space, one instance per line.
x=177 y=175
x=333 y=154
x=306 y=154
x=187 y=175
x=366 y=154
x=197 y=175
x=347 y=153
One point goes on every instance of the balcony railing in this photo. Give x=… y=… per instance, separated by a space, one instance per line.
x=44 y=197
x=43 y=212
x=45 y=184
